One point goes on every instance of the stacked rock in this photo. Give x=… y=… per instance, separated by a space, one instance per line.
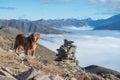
x=66 y=53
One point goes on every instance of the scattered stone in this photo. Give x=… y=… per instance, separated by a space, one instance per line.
x=10 y=51
x=33 y=73
x=42 y=77
x=43 y=60
x=73 y=79
x=57 y=77
x=6 y=76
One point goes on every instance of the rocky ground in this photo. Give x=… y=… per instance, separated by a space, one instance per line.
x=43 y=66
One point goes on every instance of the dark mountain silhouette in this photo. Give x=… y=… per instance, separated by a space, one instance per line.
x=115 y=25
x=112 y=23
x=99 y=22
x=101 y=70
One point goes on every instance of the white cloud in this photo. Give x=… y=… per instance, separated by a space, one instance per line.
x=105 y=1
x=59 y=0
x=94 y=1
x=74 y=28
x=98 y=1
x=112 y=3
x=7 y=8
x=92 y=48
x=111 y=6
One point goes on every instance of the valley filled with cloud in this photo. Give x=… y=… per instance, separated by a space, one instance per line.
x=93 y=47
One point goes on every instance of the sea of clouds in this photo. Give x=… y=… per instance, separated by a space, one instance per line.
x=74 y=28
x=93 y=47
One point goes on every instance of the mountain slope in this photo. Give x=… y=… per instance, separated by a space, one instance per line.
x=99 y=22
x=112 y=23
x=7 y=38
x=101 y=70
x=28 y=26
x=43 y=66
x=109 y=26
x=11 y=30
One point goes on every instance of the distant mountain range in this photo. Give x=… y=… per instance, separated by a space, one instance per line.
x=28 y=26
x=48 y=26
x=112 y=23
x=62 y=22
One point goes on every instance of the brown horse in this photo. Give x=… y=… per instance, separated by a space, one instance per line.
x=28 y=43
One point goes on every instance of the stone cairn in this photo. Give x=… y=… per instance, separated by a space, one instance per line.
x=66 y=51
x=66 y=56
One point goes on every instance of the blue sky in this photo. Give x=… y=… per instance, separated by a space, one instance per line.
x=58 y=9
